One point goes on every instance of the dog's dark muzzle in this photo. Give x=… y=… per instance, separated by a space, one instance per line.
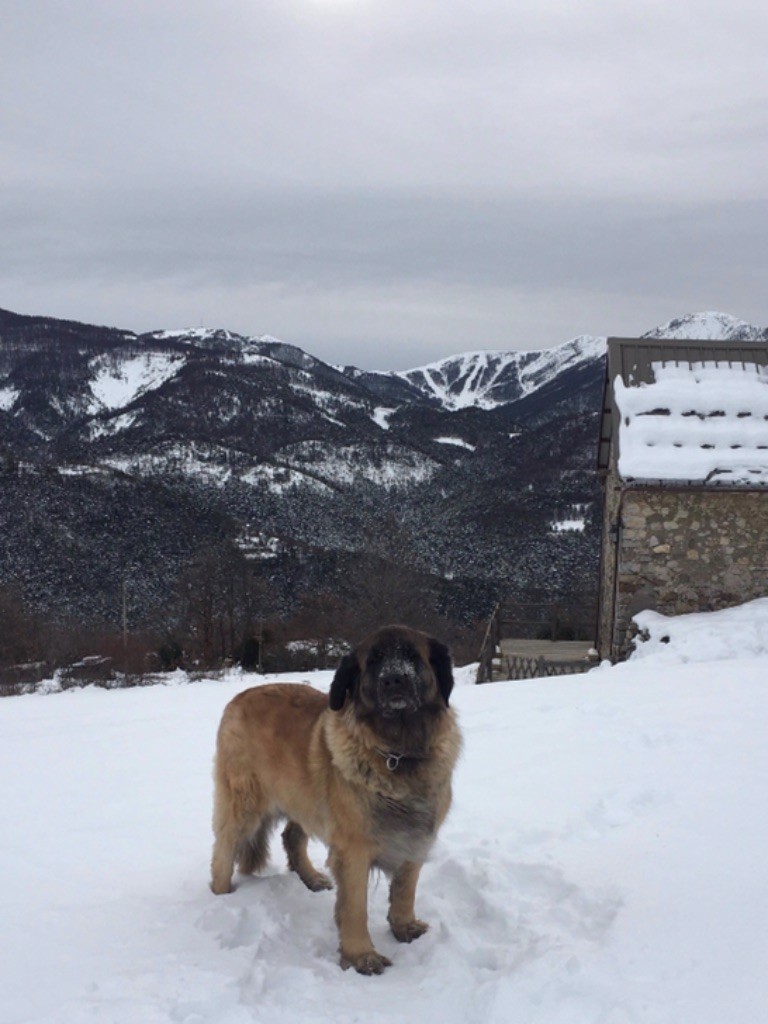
x=398 y=692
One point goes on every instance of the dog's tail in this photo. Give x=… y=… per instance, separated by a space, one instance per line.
x=253 y=853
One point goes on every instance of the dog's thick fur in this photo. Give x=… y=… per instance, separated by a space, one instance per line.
x=367 y=769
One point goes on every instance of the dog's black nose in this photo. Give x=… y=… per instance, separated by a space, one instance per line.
x=398 y=691
x=394 y=682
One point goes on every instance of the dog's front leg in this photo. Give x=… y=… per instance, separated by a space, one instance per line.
x=351 y=868
x=402 y=894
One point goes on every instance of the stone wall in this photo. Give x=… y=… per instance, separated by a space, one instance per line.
x=679 y=551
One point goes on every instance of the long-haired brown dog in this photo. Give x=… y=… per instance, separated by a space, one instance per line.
x=367 y=770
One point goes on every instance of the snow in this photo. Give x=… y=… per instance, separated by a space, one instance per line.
x=381 y=416
x=116 y=383
x=541 y=367
x=281 y=479
x=8 y=396
x=569 y=525
x=718 y=636
x=196 y=334
x=259 y=546
x=463 y=381
x=703 y=422
x=487 y=379
x=80 y=470
x=208 y=463
x=113 y=425
x=457 y=441
x=252 y=357
x=328 y=404
x=391 y=466
x=483 y=379
x=604 y=861
x=707 y=325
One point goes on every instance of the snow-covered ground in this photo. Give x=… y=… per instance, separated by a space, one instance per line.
x=605 y=861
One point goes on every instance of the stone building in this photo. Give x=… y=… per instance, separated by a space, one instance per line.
x=683 y=461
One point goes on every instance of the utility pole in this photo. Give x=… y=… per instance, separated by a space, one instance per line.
x=125 y=615
x=260 y=666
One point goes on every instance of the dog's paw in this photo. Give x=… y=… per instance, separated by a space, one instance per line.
x=317 y=882
x=221 y=888
x=409 y=930
x=366 y=963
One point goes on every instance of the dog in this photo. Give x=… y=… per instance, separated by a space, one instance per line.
x=367 y=769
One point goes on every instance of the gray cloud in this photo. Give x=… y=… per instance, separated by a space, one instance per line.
x=384 y=181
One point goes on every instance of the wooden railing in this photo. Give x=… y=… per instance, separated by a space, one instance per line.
x=536 y=615
x=519 y=667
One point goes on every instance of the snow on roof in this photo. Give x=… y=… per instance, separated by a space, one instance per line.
x=699 y=421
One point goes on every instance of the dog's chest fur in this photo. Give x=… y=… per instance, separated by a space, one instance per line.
x=403 y=827
x=402 y=806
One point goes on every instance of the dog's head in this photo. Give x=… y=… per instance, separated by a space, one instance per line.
x=395 y=671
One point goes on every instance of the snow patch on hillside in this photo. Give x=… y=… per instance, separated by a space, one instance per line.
x=108 y=427
x=252 y=357
x=8 y=396
x=569 y=525
x=330 y=405
x=316 y=465
x=386 y=466
x=539 y=368
x=458 y=442
x=118 y=382
x=281 y=479
x=462 y=381
x=381 y=417
x=206 y=463
x=198 y=335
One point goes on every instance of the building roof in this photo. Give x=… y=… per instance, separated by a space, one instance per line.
x=687 y=411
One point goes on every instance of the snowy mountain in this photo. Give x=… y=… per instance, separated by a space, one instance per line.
x=125 y=455
x=709 y=326
x=486 y=380
x=218 y=405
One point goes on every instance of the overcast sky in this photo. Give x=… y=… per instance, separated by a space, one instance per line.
x=385 y=182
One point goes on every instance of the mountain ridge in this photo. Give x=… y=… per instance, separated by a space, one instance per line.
x=479 y=378
x=458 y=471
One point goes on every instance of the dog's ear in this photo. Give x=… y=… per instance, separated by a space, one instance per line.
x=440 y=660
x=346 y=679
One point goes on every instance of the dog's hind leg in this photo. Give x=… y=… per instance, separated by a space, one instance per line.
x=237 y=816
x=295 y=841
x=225 y=846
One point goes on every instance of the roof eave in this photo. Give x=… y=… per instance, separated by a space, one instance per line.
x=630 y=483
